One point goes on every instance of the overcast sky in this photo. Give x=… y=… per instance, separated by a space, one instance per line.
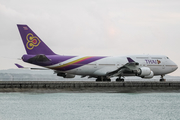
x=92 y=27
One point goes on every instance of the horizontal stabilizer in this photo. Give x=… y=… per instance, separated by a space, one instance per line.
x=20 y=66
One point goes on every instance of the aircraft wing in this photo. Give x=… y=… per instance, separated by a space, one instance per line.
x=129 y=68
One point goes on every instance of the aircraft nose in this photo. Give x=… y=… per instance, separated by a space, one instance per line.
x=176 y=67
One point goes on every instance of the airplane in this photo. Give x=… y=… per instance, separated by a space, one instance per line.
x=103 y=68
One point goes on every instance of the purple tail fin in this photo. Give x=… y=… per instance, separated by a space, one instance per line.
x=32 y=43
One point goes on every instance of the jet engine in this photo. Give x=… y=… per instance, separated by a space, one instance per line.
x=66 y=75
x=144 y=71
x=149 y=76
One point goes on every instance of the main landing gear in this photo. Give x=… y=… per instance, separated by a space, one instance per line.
x=162 y=79
x=120 y=79
x=103 y=79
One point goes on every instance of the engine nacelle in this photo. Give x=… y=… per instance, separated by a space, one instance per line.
x=149 y=76
x=144 y=71
x=69 y=76
x=66 y=75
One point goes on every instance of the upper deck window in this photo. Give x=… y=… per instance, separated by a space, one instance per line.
x=142 y=57
x=156 y=58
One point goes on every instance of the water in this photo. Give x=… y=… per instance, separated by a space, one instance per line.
x=89 y=106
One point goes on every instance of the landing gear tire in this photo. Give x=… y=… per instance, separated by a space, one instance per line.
x=162 y=80
x=119 y=80
x=108 y=80
x=99 y=79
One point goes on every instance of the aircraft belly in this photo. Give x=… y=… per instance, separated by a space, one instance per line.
x=84 y=70
x=156 y=70
x=160 y=70
x=91 y=70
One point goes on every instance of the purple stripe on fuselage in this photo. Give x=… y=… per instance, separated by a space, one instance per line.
x=79 y=64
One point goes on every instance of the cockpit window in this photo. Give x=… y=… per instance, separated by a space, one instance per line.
x=167 y=58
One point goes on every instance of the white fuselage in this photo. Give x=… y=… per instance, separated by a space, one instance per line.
x=159 y=64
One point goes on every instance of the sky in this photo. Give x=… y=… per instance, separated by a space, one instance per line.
x=92 y=27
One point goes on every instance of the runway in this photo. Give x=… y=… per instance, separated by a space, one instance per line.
x=82 y=86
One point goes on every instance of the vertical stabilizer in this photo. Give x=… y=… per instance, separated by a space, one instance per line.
x=32 y=43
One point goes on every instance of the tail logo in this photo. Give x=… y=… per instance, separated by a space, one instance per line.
x=33 y=41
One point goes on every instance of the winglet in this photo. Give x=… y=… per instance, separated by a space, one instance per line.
x=130 y=60
x=19 y=66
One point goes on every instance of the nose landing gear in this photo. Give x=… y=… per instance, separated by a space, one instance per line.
x=162 y=79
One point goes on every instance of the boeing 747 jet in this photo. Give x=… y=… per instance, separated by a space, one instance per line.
x=100 y=67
